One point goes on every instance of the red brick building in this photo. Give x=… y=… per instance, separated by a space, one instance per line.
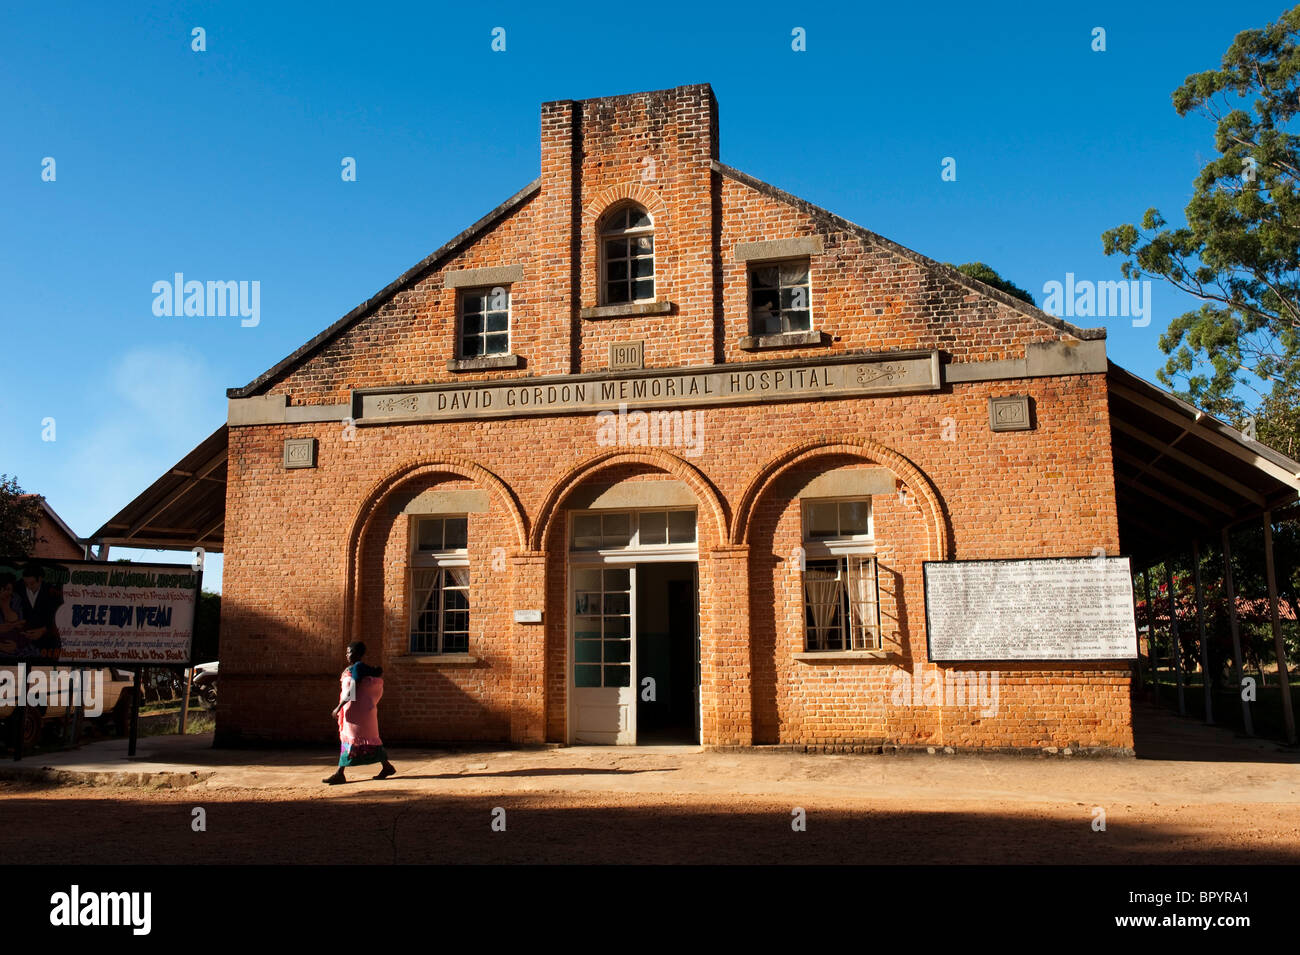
x=651 y=419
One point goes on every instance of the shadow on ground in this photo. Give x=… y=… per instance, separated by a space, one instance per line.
x=380 y=828
x=1160 y=733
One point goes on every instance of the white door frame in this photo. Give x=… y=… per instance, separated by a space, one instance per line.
x=620 y=557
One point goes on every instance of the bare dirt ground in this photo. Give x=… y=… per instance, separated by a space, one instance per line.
x=1194 y=795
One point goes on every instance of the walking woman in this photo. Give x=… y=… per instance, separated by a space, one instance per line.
x=358 y=716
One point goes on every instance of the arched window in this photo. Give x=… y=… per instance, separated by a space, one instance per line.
x=627 y=256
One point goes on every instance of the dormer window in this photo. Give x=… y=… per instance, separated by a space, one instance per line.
x=627 y=256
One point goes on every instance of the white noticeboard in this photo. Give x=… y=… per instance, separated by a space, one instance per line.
x=1061 y=608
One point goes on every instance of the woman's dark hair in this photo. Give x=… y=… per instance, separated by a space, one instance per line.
x=357 y=649
x=8 y=578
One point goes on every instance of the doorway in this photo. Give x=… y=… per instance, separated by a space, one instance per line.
x=634 y=627
x=667 y=655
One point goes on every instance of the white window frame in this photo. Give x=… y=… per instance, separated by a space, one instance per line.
x=440 y=561
x=605 y=232
x=461 y=295
x=644 y=552
x=844 y=550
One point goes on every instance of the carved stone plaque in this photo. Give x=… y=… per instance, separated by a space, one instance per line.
x=736 y=383
x=1010 y=413
x=299 y=452
x=626 y=355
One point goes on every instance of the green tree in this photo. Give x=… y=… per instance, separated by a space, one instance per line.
x=1239 y=253
x=19 y=516
x=989 y=276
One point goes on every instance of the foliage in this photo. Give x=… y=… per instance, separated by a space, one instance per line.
x=989 y=276
x=19 y=516
x=1238 y=354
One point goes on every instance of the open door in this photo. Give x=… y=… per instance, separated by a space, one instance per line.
x=603 y=599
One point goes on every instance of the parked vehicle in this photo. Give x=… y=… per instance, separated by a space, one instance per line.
x=117 y=690
x=205 y=684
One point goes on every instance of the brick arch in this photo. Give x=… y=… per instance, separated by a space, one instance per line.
x=372 y=504
x=866 y=449
x=635 y=191
x=657 y=458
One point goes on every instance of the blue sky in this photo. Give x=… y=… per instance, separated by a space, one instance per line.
x=225 y=164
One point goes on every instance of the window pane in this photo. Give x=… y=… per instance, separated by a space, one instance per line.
x=654 y=528
x=794 y=273
x=794 y=299
x=617 y=529
x=587 y=601
x=586 y=676
x=473 y=324
x=617 y=603
x=617 y=293
x=497 y=345
x=616 y=271
x=643 y=267
x=586 y=651
x=854 y=517
x=471 y=304
x=471 y=346
x=457 y=533
x=618 y=676
x=618 y=578
x=618 y=651
x=681 y=527
x=643 y=289
x=586 y=628
x=645 y=244
x=823 y=601
x=496 y=321
x=637 y=219
x=821 y=519
x=615 y=249
x=586 y=525
x=797 y=322
x=586 y=579
x=766 y=277
x=429 y=534
x=617 y=627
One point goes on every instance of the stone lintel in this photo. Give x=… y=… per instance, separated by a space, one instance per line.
x=473 y=278
x=778 y=248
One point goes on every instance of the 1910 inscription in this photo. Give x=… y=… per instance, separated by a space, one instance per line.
x=730 y=384
x=1069 y=608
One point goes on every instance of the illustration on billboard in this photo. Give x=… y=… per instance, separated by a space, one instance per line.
x=89 y=612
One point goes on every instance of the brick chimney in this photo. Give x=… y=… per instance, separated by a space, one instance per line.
x=653 y=149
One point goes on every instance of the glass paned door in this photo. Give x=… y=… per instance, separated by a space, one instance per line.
x=603 y=602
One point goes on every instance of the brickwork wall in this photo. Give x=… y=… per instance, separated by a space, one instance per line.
x=315 y=557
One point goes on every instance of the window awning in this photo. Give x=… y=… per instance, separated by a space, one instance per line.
x=183 y=509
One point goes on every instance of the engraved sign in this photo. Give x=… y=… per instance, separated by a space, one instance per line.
x=1010 y=413
x=299 y=452
x=738 y=383
x=1066 y=608
x=626 y=355
x=528 y=616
